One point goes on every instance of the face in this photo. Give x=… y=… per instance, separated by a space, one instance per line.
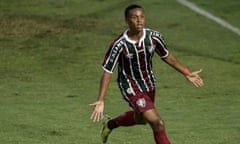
x=136 y=20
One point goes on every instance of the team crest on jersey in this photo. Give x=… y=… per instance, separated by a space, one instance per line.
x=130 y=91
x=141 y=102
x=151 y=48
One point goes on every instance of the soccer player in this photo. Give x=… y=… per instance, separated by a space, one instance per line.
x=132 y=51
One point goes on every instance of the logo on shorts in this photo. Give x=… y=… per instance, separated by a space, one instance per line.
x=141 y=102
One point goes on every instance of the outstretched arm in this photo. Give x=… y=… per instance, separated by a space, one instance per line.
x=192 y=77
x=97 y=113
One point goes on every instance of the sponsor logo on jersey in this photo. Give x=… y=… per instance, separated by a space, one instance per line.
x=130 y=91
x=130 y=55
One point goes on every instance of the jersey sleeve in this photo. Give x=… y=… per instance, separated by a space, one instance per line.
x=161 y=47
x=111 y=57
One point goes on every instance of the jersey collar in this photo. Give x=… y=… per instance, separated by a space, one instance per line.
x=132 y=41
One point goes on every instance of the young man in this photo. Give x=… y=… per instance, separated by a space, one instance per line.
x=133 y=51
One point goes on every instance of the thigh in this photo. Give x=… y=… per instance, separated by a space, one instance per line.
x=151 y=115
x=141 y=102
x=139 y=119
x=153 y=118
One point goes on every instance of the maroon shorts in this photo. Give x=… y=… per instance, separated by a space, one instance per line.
x=142 y=101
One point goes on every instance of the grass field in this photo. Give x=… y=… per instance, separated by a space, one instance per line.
x=50 y=66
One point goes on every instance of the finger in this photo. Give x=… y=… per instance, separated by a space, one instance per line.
x=93 y=104
x=98 y=117
x=197 y=72
x=95 y=117
x=101 y=116
x=201 y=84
x=198 y=83
x=195 y=84
x=92 y=116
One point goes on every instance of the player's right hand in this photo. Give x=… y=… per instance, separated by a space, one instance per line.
x=97 y=113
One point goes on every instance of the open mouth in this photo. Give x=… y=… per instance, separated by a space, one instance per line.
x=139 y=26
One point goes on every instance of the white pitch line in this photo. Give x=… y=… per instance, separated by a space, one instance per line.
x=216 y=19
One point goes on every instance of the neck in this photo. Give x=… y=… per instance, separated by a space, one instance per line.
x=135 y=35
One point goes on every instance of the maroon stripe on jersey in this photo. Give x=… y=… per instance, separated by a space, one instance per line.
x=160 y=48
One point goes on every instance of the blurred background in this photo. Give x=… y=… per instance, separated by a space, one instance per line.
x=51 y=53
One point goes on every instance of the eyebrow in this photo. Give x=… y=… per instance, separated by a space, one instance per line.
x=136 y=15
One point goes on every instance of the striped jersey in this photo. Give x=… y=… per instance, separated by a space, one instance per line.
x=134 y=60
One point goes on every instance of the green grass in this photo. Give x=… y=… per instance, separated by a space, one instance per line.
x=226 y=9
x=50 y=66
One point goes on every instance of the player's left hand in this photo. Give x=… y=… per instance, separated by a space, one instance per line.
x=195 y=79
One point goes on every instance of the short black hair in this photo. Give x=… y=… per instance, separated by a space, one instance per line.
x=130 y=7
